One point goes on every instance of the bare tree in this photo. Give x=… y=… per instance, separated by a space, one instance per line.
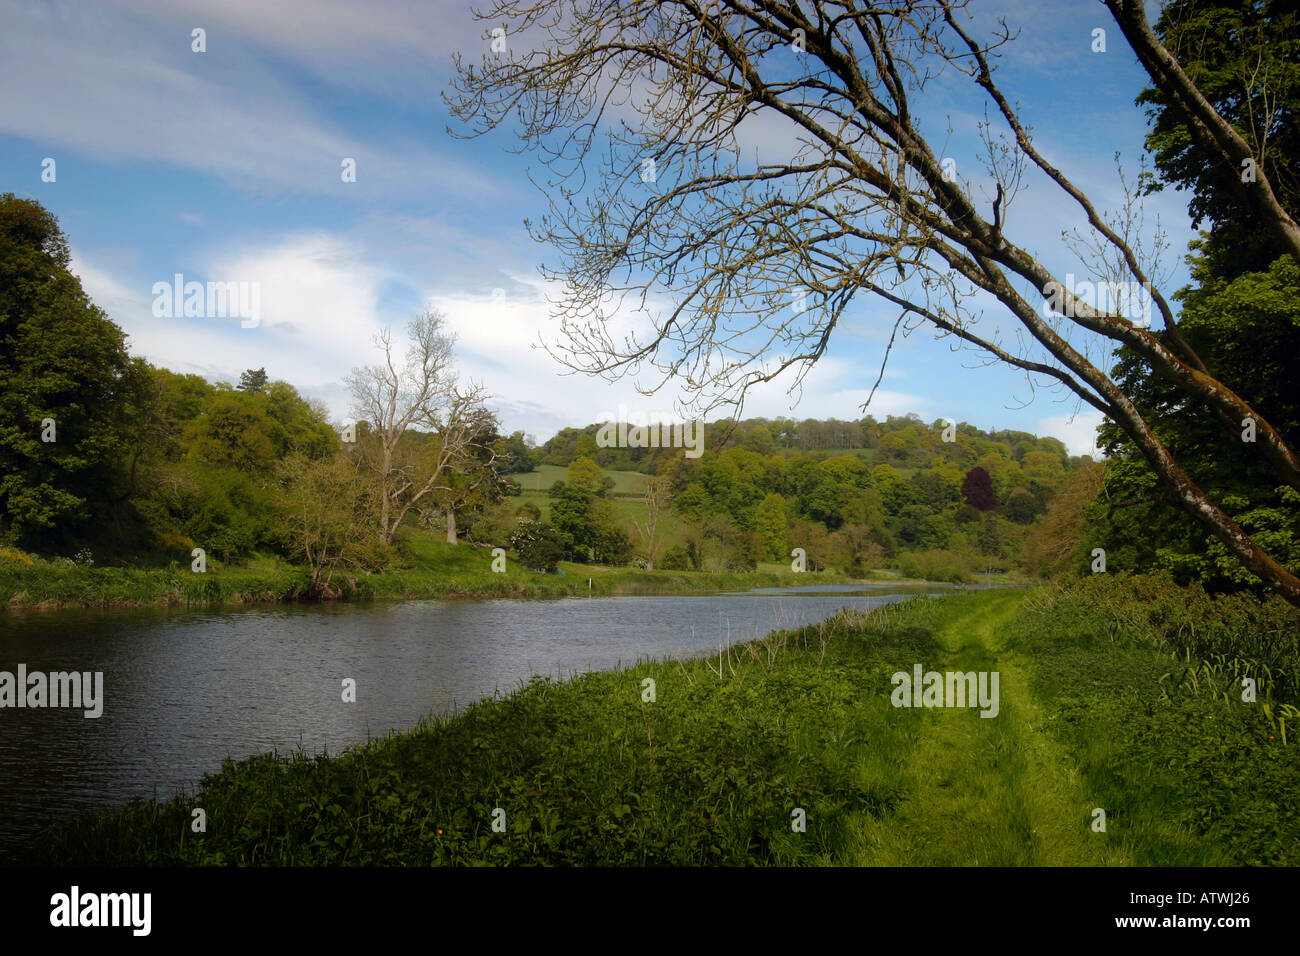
x=758 y=259
x=422 y=424
x=658 y=493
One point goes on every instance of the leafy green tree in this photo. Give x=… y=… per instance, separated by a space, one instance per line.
x=1020 y=506
x=1245 y=59
x=585 y=522
x=1239 y=317
x=233 y=431
x=772 y=529
x=759 y=439
x=855 y=550
x=540 y=547
x=1055 y=545
x=827 y=501
x=252 y=380
x=301 y=425
x=1251 y=325
x=613 y=546
x=815 y=541
x=324 y=509
x=693 y=502
x=1043 y=466
x=585 y=473
x=491 y=524
x=471 y=480
x=64 y=422
x=516 y=455
x=895 y=493
x=225 y=511
x=990 y=537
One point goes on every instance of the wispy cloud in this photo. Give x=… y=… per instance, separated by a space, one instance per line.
x=128 y=88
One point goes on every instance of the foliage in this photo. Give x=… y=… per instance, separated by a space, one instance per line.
x=1239 y=316
x=539 y=546
x=325 y=510
x=1056 y=543
x=1252 y=324
x=252 y=380
x=1143 y=683
x=184 y=463
x=977 y=489
x=68 y=388
x=935 y=566
x=1245 y=59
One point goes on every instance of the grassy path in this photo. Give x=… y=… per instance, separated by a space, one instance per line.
x=985 y=791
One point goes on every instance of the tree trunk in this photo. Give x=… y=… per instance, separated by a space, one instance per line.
x=451 y=526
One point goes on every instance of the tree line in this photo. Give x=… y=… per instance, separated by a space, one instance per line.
x=107 y=455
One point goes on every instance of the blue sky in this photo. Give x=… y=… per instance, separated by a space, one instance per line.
x=225 y=166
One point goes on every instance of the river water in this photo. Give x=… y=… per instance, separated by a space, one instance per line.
x=182 y=690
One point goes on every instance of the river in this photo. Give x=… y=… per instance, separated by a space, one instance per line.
x=183 y=690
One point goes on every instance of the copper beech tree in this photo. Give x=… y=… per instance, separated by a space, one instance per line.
x=685 y=253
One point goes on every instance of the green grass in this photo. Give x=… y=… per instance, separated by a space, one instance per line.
x=708 y=773
x=1000 y=793
x=542 y=477
x=45 y=586
x=1187 y=771
x=429 y=568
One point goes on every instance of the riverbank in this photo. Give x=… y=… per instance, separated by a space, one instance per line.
x=1115 y=694
x=435 y=570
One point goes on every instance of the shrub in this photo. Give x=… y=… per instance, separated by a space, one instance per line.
x=935 y=566
x=538 y=545
x=675 y=559
x=11 y=559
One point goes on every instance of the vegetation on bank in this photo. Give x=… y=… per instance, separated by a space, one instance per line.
x=433 y=570
x=1123 y=680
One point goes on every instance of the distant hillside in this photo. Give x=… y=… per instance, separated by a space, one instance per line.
x=935 y=499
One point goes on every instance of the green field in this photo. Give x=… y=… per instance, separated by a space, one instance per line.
x=541 y=478
x=629 y=511
x=1104 y=706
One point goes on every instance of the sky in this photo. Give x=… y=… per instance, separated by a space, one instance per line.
x=226 y=165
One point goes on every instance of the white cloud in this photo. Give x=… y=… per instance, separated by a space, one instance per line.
x=1078 y=432
x=318 y=313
